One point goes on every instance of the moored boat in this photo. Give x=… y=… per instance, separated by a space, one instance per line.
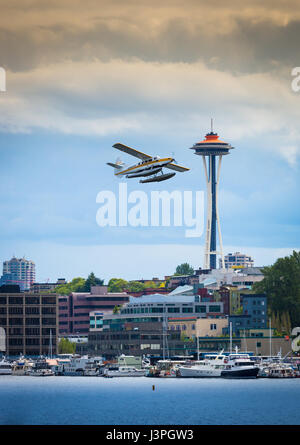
x=211 y=366
x=5 y=367
x=41 y=369
x=123 y=371
x=239 y=366
x=22 y=366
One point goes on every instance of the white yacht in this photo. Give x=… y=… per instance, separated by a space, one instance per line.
x=22 y=366
x=123 y=371
x=92 y=367
x=5 y=367
x=41 y=369
x=211 y=366
x=239 y=366
x=74 y=366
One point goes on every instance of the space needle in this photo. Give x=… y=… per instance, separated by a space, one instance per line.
x=213 y=149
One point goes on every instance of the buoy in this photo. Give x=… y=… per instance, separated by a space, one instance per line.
x=153 y=387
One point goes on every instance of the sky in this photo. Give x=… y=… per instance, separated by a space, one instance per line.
x=81 y=76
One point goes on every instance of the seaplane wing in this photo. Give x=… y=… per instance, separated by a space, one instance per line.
x=176 y=167
x=132 y=151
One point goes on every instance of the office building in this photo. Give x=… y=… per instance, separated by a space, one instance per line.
x=74 y=309
x=30 y=322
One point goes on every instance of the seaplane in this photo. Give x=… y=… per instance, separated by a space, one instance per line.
x=151 y=166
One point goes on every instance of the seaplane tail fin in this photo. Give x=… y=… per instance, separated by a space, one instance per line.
x=118 y=165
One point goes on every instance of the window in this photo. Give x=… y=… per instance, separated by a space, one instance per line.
x=213 y=327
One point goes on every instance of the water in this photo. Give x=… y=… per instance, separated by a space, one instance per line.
x=131 y=401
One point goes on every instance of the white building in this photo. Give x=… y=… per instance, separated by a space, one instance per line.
x=237 y=259
x=242 y=278
x=19 y=271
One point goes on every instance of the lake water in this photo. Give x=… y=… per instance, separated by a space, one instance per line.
x=132 y=401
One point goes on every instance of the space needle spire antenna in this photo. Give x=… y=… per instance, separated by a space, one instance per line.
x=212 y=149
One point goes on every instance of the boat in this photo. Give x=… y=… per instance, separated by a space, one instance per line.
x=165 y=368
x=280 y=370
x=93 y=367
x=123 y=371
x=74 y=366
x=41 y=369
x=22 y=366
x=239 y=366
x=5 y=367
x=211 y=366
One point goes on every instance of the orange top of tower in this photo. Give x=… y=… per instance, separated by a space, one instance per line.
x=211 y=137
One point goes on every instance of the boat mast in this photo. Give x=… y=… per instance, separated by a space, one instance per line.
x=165 y=337
x=198 y=345
x=270 y=321
x=50 y=344
x=230 y=330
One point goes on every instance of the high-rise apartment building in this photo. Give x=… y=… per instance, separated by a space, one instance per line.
x=19 y=271
x=237 y=259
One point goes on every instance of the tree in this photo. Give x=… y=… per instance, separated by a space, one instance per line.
x=79 y=285
x=136 y=286
x=281 y=284
x=116 y=309
x=117 y=285
x=184 y=269
x=151 y=284
x=74 y=286
x=91 y=280
x=65 y=346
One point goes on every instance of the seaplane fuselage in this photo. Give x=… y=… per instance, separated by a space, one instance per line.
x=154 y=164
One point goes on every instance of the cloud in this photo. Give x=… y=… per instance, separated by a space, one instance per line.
x=256 y=38
x=103 y=98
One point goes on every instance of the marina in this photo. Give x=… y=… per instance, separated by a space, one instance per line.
x=239 y=365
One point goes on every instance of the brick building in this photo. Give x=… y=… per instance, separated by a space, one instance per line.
x=74 y=309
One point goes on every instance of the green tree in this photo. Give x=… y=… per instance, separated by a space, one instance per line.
x=117 y=285
x=116 y=309
x=65 y=346
x=281 y=284
x=91 y=280
x=184 y=269
x=79 y=285
x=136 y=286
x=73 y=286
x=151 y=284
